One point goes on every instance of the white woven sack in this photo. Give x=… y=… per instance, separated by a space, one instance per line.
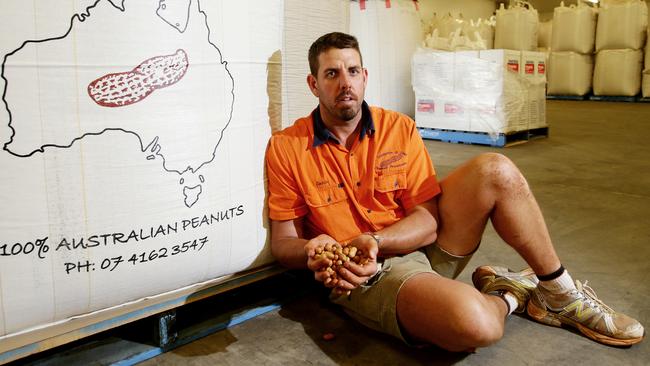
x=304 y=22
x=645 y=85
x=618 y=72
x=569 y=73
x=480 y=31
x=622 y=25
x=544 y=34
x=448 y=24
x=516 y=27
x=647 y=52
x=574 y=28
x=388 y=37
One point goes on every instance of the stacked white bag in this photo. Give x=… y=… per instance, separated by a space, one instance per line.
x=477 y=91
x=516 y=27
x=304 y=22
x=451 y=33
x=620 y=37
x=544 y=35
x=645 y=81
x=389 y=32
x=572 y=45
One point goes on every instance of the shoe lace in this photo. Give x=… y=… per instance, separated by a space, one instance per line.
x=589 y=296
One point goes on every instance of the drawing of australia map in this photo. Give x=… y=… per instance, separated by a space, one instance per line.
x=145 y=68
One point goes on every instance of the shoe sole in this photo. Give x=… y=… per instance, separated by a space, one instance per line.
x=549 y=318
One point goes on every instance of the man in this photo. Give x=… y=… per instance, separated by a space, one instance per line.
x=351 y=173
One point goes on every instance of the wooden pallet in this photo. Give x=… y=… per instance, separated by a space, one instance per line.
x=142 y=340
x=566 y=97
x=482 y=138
x=161 y=307
x=613 y=98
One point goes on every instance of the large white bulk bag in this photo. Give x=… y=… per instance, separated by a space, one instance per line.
x=622 y=25
x=618 y=72
x=388 y=34
x=569 y=73
x=481 y=30
x=516 y=27
x=545 y=34
x=647 y=52
x=574 y=28
x=645 y=85
x=304 y=22
x=448 y=24
x=133 y=137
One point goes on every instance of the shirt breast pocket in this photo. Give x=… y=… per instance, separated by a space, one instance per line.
x=390 y=181
x=322 y=197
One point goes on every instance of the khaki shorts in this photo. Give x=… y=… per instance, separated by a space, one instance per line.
x=375 y=306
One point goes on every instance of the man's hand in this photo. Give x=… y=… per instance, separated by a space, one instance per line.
x=353 y=275
x=320 y=266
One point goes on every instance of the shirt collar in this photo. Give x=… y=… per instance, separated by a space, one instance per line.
x=322 y=134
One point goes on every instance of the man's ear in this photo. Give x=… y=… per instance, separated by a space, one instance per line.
x=311 y=82
x=365 y=77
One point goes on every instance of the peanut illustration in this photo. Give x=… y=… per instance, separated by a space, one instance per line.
x=125 y=88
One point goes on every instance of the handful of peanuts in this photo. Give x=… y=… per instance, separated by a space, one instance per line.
x=338 y=254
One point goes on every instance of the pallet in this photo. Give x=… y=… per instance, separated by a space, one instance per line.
x=142 y=340
x=161 y=307
x=483 y=138
x=566 y=97
x=613 y=98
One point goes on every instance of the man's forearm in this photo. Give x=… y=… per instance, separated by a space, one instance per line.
x=410 y=233
x=290 y=252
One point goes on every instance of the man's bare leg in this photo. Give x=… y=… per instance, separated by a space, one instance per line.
x=491 y=187
x=449 y=313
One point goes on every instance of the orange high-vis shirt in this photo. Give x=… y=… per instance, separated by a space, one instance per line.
x=342 y=192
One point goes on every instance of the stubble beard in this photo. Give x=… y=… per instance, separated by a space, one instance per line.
x=348 y=114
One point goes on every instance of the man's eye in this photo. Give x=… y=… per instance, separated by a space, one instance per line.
x=354 y=71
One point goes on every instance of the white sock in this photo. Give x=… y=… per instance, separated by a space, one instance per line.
x=512 y=302
x=560 y=285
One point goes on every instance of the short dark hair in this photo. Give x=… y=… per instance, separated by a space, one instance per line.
x=331 y=40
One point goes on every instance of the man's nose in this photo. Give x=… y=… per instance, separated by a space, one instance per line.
x=346 y=81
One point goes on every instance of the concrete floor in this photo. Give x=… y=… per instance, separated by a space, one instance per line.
x=592 y=179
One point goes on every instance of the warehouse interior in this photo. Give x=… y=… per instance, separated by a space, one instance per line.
x=576 y=124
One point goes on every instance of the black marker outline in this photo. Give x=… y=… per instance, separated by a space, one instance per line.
x=155 y=147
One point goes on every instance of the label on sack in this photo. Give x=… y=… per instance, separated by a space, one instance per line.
x=426 y=106
x=529 y=68
x=513 y=65
x=453 y=108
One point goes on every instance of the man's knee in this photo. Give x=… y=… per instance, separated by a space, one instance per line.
x=500 y=174
x=475 y=326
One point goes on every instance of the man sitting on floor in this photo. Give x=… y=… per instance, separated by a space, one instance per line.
x=350 y=173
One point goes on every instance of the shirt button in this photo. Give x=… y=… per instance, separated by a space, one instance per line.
x=369 y=210
x=358 y=184
x=341 y=185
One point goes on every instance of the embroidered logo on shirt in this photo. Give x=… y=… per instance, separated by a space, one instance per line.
x=322 y=184
x=391 y=159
